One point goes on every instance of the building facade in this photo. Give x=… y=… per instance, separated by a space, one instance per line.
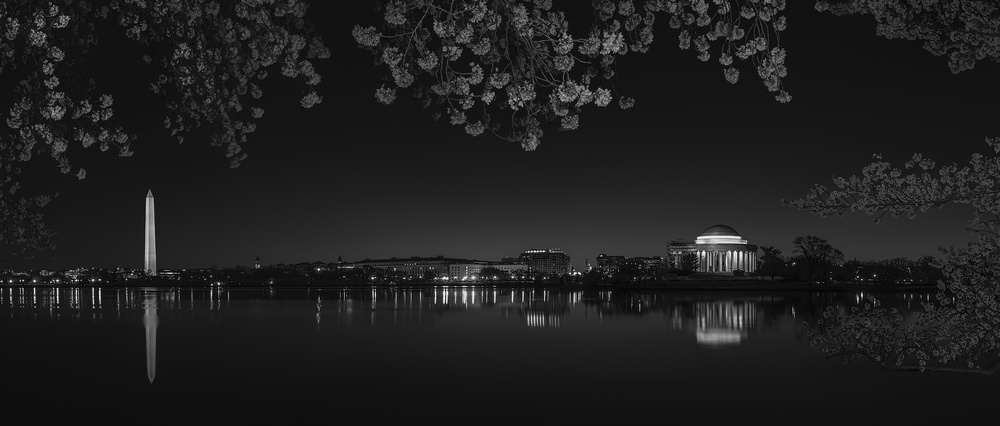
x=612 y=264
x=415 y=267
x=609 y=264
x=465 y=271
x=439 y=267
x=546 y=261
x=720 y=250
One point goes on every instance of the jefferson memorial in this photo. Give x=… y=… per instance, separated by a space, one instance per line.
x=720 y=250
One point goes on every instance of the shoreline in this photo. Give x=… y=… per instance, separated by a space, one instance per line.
x=680 y=285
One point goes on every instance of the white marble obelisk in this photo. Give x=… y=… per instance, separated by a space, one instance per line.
x=150 y=236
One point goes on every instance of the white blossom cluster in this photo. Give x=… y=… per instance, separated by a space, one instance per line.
x=966 y=31
x=915 y=188
x=743 y=30
x=960 y=329
x=962 y=326
x=957 y=331
x=513 y=67
x=208 y=63
x=218 y=58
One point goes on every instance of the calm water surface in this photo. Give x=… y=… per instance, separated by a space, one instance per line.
x=469 y=355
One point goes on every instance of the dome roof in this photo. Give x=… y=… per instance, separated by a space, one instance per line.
x=719 y=231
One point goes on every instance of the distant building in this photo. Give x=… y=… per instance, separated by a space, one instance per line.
x=256 y=263
x=510 y=260
x=645 y=264
x=720 y=250
x=417 y=267
x=609 y=264
x=170 y=274
x=453 y=268
x=612 y=264
x=509 y=268
x=547 y=261
x=461 y=271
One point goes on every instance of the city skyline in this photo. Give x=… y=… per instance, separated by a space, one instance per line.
x=671 y=254
x=354 y=179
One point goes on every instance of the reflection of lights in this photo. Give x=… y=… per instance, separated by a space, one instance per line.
x=724 y=322
x=718 y=336
x=541 y=320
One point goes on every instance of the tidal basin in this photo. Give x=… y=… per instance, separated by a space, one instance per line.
x=457 y=355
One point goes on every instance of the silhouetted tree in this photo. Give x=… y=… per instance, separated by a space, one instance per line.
x=688 y=264
x=771 y=263
x=628 y=271
x=850 y=271
x=926 y=271
x=817 y=254
x=491 y=273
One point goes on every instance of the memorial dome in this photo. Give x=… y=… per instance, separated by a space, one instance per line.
x=719 y=249
x=720 y=231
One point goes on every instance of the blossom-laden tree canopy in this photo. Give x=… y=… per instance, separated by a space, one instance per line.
x=916 y=187
x=207 y=60
x=512 y=67
x=960 y=329
x=962 y=324
x=966 y=31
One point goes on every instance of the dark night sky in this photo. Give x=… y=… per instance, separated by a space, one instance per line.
x=356 y=179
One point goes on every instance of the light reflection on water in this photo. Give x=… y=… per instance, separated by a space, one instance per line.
x=713 y=318
x=267 y=346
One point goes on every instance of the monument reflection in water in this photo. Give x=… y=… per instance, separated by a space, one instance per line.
x=150 y=321
x=257 y=353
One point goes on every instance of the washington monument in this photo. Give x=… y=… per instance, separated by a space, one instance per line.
x=150 y=236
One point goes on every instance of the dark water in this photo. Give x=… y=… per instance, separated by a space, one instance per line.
x=451 y=355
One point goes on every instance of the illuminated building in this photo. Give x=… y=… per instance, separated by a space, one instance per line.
x=720 y=250
x=417 y=267
x=546 y=261
x=440 y=266
x=150 y=265
x=460 y=271
x=609 y=264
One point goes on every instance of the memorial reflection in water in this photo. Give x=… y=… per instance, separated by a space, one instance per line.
x=712 y=318
x=277 y=350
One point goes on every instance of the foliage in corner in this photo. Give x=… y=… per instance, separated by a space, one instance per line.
x=207 y=60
